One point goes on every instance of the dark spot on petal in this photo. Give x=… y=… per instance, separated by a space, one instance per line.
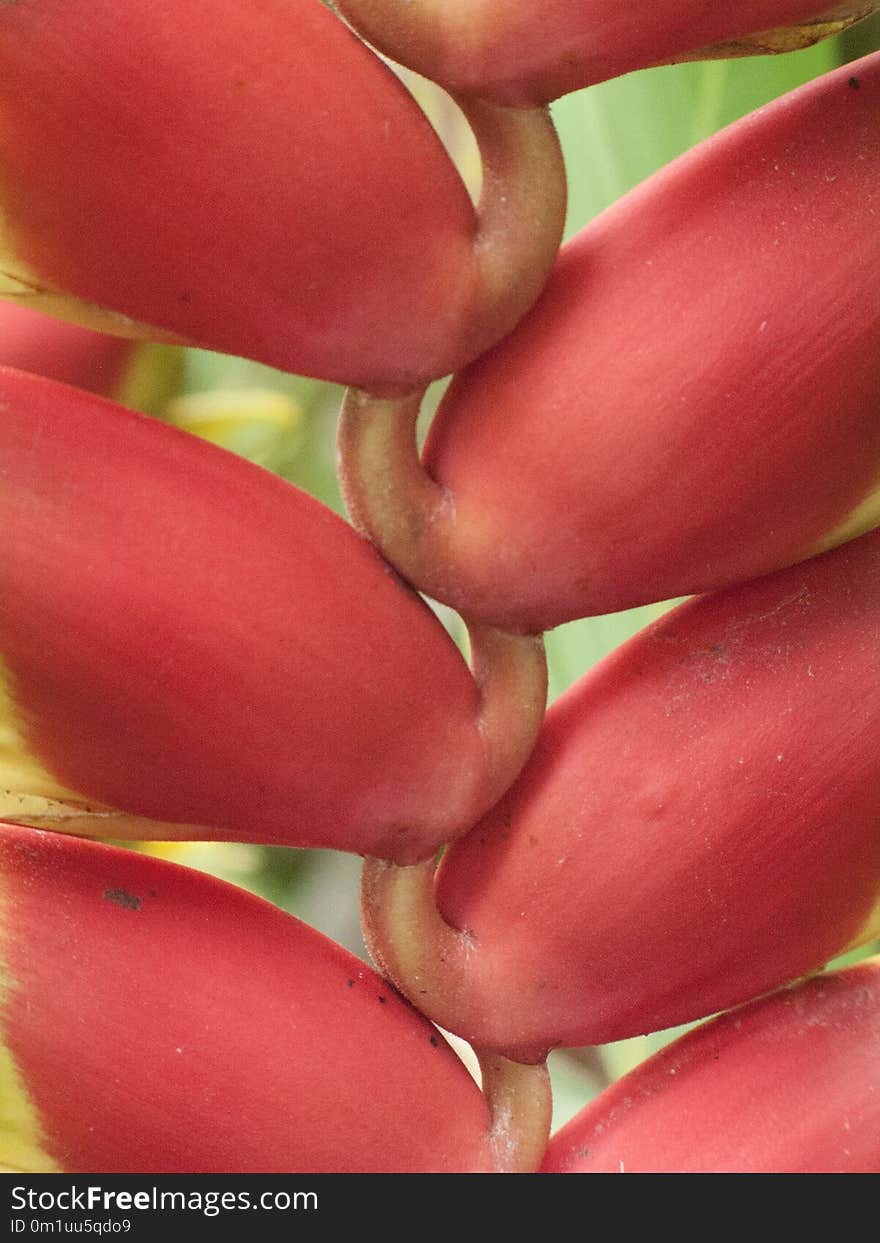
x=854 y=83
x=434 y=1042
x=122 y=898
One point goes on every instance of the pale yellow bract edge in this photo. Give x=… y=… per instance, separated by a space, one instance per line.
x=23 y=779
x=864 y=517
x=31 y=795
x=21 y=1135
x=791 y=38
x=869 y=931
x=20 y=283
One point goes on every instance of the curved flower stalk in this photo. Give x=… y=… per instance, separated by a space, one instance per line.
x=154 y=1019
x=186 y=638
x=519 y=53
x=255 y=180
x=787 y=1085
x=699 y=823
x=691 y=403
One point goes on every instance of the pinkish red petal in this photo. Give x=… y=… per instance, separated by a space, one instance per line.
x=699 y=822
x=519 y=52
x=156 y=1019
x=247 y=178
x=703 y=370
x=787 y=1085
x=186 y=637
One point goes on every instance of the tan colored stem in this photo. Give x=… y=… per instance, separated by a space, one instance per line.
x=511 y=672
x=389 y=495
x=395 y=502
x=411 y=943
x=521 y=1105
x=443 y=970
x=411 y=519
x=517 y=231
x=428 y=961
x=521 y=214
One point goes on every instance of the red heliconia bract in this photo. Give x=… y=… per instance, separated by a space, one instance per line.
x=693 y=400
x=698 y=824
x=520 y=52
x=31 y=341
x=253 y=179
x=787 y=1085
x=138 y=374
x=187 y=638
x=158 y=1020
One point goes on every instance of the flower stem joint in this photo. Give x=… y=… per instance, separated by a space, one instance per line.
x=699 y=823
x=682 y=363
x=342 y=241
